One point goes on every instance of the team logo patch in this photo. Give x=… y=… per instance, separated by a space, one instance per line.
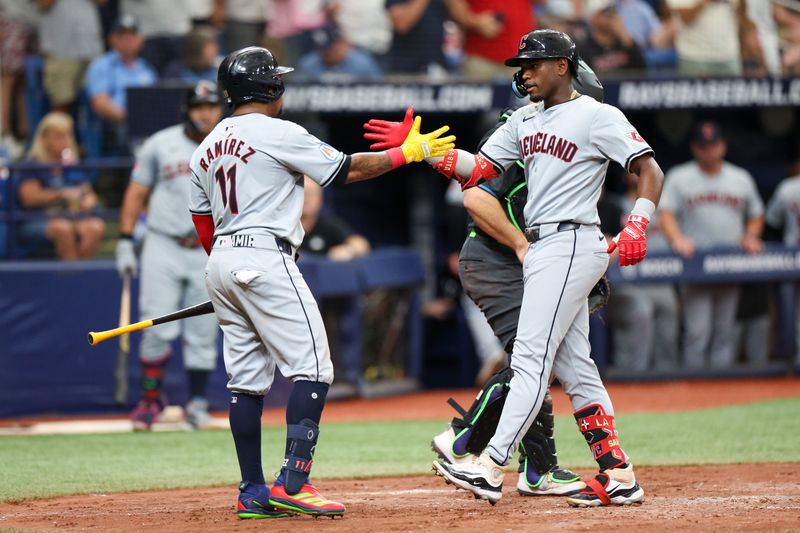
x=635 y=136
x=328 y=151
x=522 y=42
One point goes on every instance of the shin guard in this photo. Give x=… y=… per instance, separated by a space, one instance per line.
x=477 y=425
x=538 y=447
x=600 y=433
x=301 y=439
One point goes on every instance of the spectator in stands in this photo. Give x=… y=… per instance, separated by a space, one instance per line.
x=644 y=26
x=327 y=234
x=492 y=29
x=163 y=25
x=609 y=48
x=761 y=45
x=334 y=57
x=365 y=24
x=644 y=318
x=71 y=37
x=291 y=24
x=109 y=77
x=200 y=58
x=709 y=203
x=418 y=36
x=18 y=21
x=783 y=222
x=245 y=22
x=562 y=15
x=206 y=13
x=63 y=197
x=707 y=36
x=789 y=24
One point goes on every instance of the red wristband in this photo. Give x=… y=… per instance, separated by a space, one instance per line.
x=397 y=157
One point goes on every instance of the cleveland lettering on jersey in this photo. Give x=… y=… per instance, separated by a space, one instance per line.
x=544 y=143
x=229 y=146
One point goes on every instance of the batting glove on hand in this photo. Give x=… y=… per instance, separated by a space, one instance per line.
x=389 y=134
x=126 y=257
x=419 y=146
x=632 y=241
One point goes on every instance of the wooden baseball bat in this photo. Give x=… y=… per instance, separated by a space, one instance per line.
x=124 y=351
x=96 y=337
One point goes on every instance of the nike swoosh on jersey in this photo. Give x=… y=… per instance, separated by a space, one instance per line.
x=528 y=118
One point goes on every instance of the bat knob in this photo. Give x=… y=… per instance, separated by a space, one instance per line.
x=91 y=338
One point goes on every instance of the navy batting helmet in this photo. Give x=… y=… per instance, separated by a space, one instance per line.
x=545 y=44
x=251 y=75
x=203 y=92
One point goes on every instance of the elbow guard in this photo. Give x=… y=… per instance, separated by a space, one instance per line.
x=478 y=170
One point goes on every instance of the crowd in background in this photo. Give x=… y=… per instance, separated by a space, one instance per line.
x=84 y=54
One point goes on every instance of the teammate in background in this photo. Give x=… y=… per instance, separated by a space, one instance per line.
x=644 y=317
x=491 y=274
x=246 y=202
x=172 y=258
x=565 y=143
x=783 y=218
x=709 y=203
x=327 y=234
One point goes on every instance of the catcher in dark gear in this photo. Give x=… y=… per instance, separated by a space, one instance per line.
x=491 y=275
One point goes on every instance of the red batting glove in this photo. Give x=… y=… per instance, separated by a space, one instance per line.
x=389 y=134
x=632 y=241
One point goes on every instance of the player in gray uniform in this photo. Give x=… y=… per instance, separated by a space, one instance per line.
x=644 y=317
x=172 y=259
x=709 y=203
x=783 y=216
x=247 y=197
x=565 y=143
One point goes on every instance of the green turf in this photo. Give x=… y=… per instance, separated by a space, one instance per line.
x=35 y=467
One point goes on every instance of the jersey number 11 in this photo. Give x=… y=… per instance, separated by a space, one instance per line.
x=228 y=197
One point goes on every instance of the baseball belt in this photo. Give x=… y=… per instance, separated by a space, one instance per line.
x=264 y=242
x=540 y=231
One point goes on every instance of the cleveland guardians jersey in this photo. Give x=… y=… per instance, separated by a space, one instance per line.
x=162 y=166
x=711 y=210
x=566 y=149
x=783 y=211
x=248 y=174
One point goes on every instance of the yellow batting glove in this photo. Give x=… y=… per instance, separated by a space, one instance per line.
x=419 y=146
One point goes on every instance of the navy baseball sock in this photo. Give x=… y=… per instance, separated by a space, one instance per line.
x=245 y=418
x=198 y=381
x=303 y=413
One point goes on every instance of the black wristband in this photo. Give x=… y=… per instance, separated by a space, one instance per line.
x=128 y=236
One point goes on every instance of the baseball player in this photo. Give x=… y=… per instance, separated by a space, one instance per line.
x=172 y=259
x=783 y=216
x=246 y=201
x=709 y=202
x=565 y=143
x=491 y=275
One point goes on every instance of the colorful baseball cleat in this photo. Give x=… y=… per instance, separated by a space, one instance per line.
x=480 y=475
x=254 y=503
x=145 y=414
x=307 y=501
x=556 y=482
x=197 y=414
x=446 y=446
x=616 y=486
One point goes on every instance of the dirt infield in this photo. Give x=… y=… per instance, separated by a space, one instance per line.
x=697 y=498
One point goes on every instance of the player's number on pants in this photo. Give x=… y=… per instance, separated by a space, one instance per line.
x=230 y=194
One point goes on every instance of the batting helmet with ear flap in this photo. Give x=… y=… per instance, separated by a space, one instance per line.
x=251 y=75
x=203 y=92
x=546 y=44
x=585 y=82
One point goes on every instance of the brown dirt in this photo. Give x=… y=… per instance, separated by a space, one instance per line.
x=696 y=498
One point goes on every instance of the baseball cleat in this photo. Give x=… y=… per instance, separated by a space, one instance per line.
x=616 y=486
x=556 y=482
x=307 y=501
x=145 y=414
x=254 y=503
x=442 y=445
x=480 y=475
x=197 y=414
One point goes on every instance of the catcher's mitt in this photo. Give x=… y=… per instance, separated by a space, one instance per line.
x=598 y=296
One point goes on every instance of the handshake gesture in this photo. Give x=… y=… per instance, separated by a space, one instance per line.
x=406 y=136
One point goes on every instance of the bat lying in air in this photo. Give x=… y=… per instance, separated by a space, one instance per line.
x=96 y=337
